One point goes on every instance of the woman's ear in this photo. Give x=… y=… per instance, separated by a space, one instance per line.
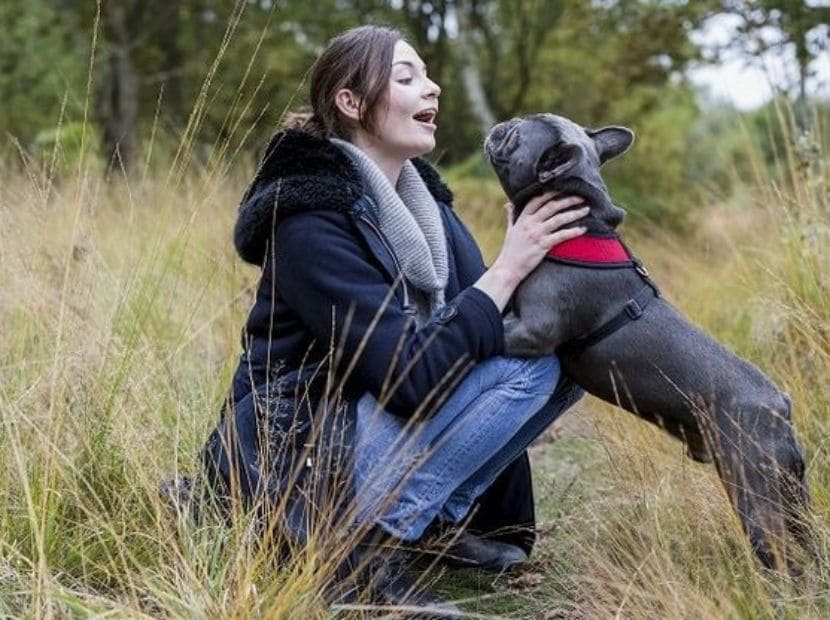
x=348 y=104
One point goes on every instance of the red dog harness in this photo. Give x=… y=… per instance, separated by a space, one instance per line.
x=596 y=252
x=592 y=251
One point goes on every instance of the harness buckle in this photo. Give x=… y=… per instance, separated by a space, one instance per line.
x=633 y=309
x=640 y=268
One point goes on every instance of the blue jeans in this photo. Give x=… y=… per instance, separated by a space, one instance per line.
x=409 y=473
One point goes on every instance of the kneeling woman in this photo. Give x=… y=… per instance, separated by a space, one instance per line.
x=370 y=277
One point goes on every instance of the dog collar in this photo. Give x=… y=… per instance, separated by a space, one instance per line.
x=592 y=251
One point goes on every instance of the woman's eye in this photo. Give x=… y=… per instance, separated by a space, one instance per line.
x=404 y=80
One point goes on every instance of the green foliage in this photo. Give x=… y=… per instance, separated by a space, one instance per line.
x=475 y=166
x=42 y=69
x=214 y=77
x=619 y=64
x=64 y=147
x=650 y=179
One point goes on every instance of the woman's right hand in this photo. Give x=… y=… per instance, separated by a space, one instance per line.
x=537 y=229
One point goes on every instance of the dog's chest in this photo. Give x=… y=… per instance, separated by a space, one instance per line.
x=578 y=286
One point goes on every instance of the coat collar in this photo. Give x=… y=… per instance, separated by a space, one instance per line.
x=299 y=172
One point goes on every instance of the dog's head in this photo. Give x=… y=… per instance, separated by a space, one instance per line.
x=547 y=152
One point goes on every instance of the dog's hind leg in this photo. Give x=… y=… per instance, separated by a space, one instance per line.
x=669 y=370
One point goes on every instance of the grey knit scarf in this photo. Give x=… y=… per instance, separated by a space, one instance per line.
x=410 y=219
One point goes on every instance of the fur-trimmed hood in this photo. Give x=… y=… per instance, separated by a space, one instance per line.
x=299 y=172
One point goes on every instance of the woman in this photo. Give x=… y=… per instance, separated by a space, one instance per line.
x=374 y=302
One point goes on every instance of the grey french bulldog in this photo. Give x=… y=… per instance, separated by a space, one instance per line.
x=623 y=342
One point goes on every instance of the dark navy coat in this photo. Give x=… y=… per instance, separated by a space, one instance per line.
x=328 y=279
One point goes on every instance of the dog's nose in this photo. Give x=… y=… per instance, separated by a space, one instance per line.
x=495 y=144
x=498 y=132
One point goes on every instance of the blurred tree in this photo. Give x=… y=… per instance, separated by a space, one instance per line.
x=38 y=71
x=802 y=25
x=117 y=97
x=471 y=70
x=209 y=80
x=612 y=63
x=510 y=37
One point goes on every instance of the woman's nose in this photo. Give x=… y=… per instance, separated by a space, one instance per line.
x=433 y=90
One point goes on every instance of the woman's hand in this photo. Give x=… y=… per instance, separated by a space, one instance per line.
x=537 y=229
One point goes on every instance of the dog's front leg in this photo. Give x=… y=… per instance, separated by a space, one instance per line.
x=521 y=338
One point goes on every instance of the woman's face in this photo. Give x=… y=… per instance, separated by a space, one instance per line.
x=410 y=94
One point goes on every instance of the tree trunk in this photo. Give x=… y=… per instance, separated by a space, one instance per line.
x=118 y=96
x=471 y=73
x=173 y=62
x=803 y=58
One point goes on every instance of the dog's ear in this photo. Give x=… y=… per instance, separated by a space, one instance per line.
x=611 y=141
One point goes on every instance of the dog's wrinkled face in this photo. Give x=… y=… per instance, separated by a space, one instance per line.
x=545 y=151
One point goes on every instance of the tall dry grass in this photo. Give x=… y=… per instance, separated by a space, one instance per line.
x=121 y=305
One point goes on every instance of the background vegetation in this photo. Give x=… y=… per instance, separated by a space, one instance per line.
x=206 y=81
x=130 y=129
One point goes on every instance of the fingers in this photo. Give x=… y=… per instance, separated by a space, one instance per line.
x=549 y=231
x=537 y=201
x=547 y=204
x=555 y=206
x=564 y=234
x=558 y=220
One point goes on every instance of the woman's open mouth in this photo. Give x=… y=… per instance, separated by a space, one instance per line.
x=427 y=118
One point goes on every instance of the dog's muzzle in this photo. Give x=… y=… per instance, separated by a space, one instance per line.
x=498 y=146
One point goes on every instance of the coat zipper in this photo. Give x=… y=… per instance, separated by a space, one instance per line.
x=385 y=244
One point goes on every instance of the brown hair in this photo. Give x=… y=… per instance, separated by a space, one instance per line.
x=359 y=59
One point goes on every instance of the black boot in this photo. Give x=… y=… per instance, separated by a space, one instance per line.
x=392 y=585
x=466 y=550
x=382 y=571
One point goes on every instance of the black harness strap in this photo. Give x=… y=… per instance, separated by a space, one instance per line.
x=632 y=310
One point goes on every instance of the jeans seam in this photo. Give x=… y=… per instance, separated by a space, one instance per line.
x=566 y=399
x=428 y=494
x=492 y=388
x=426 y=497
